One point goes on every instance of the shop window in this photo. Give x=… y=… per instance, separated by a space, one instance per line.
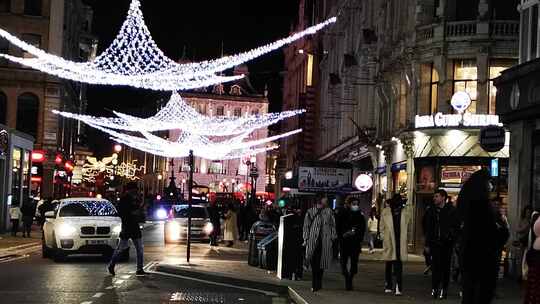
x=3 y=108
x=456 y=176
x=27 y=113
x=495 y=69
x=466 y=80
x=32 y=39
x=26 y=174
x=434 y=90
x=5 y=6
x=16 y=158
x=237 y=112
x=309 y=71
x=32 y=7
x=220 y=111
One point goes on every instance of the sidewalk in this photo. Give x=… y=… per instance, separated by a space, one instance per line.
x=368 y=284
x=10 y=245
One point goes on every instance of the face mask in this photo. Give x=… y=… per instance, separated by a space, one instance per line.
x=355 y=208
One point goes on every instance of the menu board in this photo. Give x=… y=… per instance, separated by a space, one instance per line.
x=455 y=176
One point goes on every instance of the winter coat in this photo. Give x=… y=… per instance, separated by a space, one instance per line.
x=15 y=213
x=350 y=230
x=229 y=226
x=440 y=225
x=319 y=222
x=129 y=212
x=373 y=225
x=387 y=232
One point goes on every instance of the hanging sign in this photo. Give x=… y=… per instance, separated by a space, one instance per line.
x=492 y=139
x=460 y=102
x=363 y=182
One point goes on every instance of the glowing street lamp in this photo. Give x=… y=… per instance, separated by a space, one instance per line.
x=117 y=148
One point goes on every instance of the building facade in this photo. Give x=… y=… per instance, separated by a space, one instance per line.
x=27 y=97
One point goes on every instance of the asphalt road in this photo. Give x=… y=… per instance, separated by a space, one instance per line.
x=83 y=279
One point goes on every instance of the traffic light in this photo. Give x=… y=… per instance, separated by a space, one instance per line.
x=282 y=203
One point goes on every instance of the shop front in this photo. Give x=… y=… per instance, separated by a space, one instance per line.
x=15 y=151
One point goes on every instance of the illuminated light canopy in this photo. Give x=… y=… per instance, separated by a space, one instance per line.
x=94 y=167
x=133 y=59
x=177 y=114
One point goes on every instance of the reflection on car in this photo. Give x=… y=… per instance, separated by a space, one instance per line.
x=81 y=225
x=176 y=226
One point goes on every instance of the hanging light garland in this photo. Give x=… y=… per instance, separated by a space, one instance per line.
x=133 y=59
x=109 y=165
x=177 y=114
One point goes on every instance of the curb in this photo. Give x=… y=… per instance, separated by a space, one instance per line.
x=295 y=297
x=214 y=277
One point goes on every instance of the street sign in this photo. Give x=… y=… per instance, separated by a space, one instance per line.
x=492 y=139
x=494 y=167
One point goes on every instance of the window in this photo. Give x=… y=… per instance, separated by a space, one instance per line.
x=87 y=208
x=16 y=175
x=202 y=108
x=32 y=39
x=216 y=167
x=3 y=108
x=534 y=31
x=524 y=40
x=255 y=112
x=465 y=80
x=495 y=69
x=237 y=112
x=309 y=78
x=32 y=7
x=27 y=113
x=434 y=90
x=5 y=6
x=220 y=111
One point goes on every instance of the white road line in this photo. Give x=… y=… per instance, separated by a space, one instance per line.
x=125 y=277
x=268 y=293
x=15 y=259
x=109 y=287
x=87 y=302
x=98 y=295
x=149 y=265
x=118 y=282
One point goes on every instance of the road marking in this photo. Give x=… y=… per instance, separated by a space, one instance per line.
x=149 y=265
x=268 y=293
x=98 y=295
x=125 y=277
x=118 y=282
x=87 y=302
x=109 y=287
x=14 y=259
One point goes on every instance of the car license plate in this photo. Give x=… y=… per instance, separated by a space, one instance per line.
x=95 y=242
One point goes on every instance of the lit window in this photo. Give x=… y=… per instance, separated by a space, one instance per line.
x=309 y=78
x=495 y=69
x=466 y=80
x=434 y=89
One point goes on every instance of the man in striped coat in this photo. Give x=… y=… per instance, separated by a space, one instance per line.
x=319 y=234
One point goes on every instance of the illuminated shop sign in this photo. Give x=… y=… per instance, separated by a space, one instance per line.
x=460 y=102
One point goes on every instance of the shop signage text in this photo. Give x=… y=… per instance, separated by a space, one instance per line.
x=441 y=120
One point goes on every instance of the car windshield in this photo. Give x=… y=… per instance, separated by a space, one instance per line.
x=182 y=212
x=87 y=208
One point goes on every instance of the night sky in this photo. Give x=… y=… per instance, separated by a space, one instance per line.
x=201 y=28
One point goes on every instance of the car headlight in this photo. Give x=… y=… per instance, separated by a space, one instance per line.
x=161 y=214
x=65 y=230
x=208 y=228
x=173 y=231
x=117 y=229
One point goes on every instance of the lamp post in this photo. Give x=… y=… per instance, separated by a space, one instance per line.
x=254 y=174
x=190 y=193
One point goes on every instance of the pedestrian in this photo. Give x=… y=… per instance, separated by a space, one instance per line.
x=319 y=233
x=229 y=226
x=479 y=240
x=15 y=216
x=213 y=212
x=373 y=229
x=524 y=226
x=440 y=233
x=28 y=212
x=395 y=220
x=350 y=230
x=532 y=260
x=131 y=213
x=45 y=207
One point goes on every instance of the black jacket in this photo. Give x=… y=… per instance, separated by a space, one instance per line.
x=347 y=221
x=440 y=225
x=130 y=213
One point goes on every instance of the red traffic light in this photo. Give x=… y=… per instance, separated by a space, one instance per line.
x=38 y=156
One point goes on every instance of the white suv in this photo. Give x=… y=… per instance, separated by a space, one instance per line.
x=81 y=225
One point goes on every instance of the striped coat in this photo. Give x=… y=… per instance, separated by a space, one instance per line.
x=313 y=224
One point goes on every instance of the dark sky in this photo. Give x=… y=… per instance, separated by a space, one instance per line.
x=201 y=27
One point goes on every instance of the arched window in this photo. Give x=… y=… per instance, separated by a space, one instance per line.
x=32 y=7
x=3 y=108
x=27 y=113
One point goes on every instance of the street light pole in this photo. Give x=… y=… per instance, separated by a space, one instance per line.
x=190 y=193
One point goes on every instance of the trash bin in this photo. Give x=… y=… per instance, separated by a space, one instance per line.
x=268 y=251
x=258 y=231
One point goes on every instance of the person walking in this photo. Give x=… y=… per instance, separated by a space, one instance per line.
x=319 y=232
x=213 y=212
x=373 y=229
x=440 y=233
x=350 y=230
x=28 y=212
x=532 y=260
x=15 y=216
x=395 y=220
x=131 y=213
x=229 y=226
x=479 y=241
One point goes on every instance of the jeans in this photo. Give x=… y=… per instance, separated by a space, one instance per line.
x=398 y=272
x=317 y=272
x=123 y=245
x=14 y=227
x=371 y=242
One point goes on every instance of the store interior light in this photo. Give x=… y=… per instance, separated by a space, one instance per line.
x=289 y=175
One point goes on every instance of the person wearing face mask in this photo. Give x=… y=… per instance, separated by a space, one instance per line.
x=350 y=230
x=319 y=232
x=440 y=231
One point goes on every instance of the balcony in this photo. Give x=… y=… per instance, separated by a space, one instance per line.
x=467 y=30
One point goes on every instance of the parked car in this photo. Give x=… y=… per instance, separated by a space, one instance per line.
x=176 y=226
x=81 y=226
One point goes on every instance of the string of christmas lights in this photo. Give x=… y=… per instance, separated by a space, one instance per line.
x=177 y=114
x=134 y=59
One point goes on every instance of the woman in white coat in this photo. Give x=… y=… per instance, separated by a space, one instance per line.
x=229 y=226
x=395 y=220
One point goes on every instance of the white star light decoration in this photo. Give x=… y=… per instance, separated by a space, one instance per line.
x=177 y=114
x=133 y=59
